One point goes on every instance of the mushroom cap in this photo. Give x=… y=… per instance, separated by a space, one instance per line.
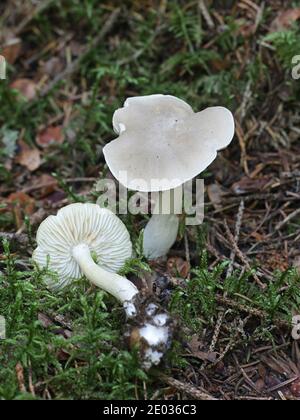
x=161 y=138
x=105 y=234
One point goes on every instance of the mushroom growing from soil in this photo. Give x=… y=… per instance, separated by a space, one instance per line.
x=80 y=234
x=162 y=144
x=85 y=239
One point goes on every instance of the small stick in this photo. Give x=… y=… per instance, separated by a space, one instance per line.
x=30 y=381
x=20 y=377
x=241 y=255
x=229 y=272
x=217 y=331
x=237 y=235
x=251 y=311
x=287 y=219
x=206 y=15
x=187 y=389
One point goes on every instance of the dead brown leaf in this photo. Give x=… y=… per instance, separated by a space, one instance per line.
x=52 y=135
x=246 y=185
x=260 y=385
x=274 y=260
x=44 y=185
x=11 y=50
x=285 y=20
x=29 y=157
x=47 y=322
x=178 y=266
x=26 y=88
x=194 y=346
x=20 y=204
x=20 y=377
x=23 y=201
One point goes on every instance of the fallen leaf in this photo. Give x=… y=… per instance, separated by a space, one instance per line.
x=274 y=260
x=285 y=20
x=23 y=201
x=63 y=355
x=20 y=205
x=247 y=30
x=260 y=385
x=194 y=346
x=44 y=184
x=246 y=185
x=44 y=320
x=26 y=88
x=29 y=157
x=47 y=322
x=178 y=266
x=220 y=65
x=262 y=371
x=52 y=135
x=11 y=50
x=258 y=236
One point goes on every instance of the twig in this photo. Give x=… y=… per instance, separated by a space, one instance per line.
x=229 y=272
x=187 y=389
x=249 y=380
x=206 y=15
x=287 y=219
x=73 y=67
x=217 y=331
x=30 y=381
x=283 y=384
x=20 y=377
x=238 y=226
x=242 y=256
x=251 y=311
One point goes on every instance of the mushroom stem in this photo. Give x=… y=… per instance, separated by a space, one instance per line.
x=119 y=287
x=161 y=231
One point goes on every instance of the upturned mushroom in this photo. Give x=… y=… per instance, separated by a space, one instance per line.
x=162 y=144
x=84 y=239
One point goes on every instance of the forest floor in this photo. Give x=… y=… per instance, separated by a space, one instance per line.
x=233 y=282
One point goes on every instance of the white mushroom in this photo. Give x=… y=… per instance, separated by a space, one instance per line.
x=69 y=243
x=162 y=144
